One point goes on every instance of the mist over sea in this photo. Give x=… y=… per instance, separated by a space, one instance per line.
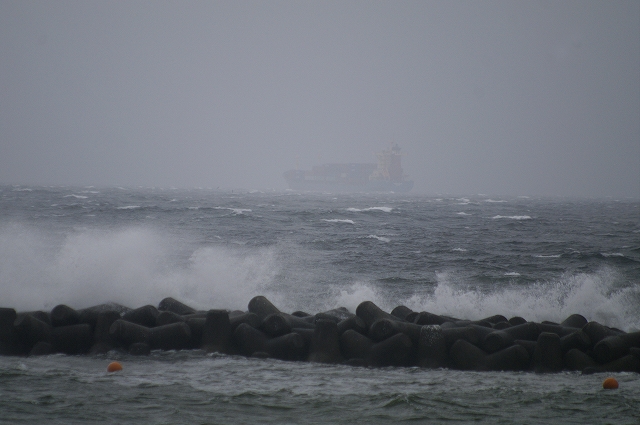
x=467 y=257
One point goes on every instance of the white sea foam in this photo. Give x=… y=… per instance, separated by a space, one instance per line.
x=384 y=209
x=514 y=274
x=236 y=211
x=462 y=213
x=337 y=220
x=593 y=295
x=380 y=238
x=548 y=256
x=612 y=254
x=75 y=196
x=512 y=217
x=129 y=207
x=130 y=266
x=495 y=201
x=459 y=249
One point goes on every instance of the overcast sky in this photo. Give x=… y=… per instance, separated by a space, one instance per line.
x=497 y=97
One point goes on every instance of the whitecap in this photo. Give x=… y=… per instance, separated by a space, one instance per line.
x=459 y=249
x=514 y=274
x=75 y=196
x=337 y=220
x=462 y=213
x=612 y=254
x=494 y=201
x=236 y=211
x=547 y=256
x=513 y=217
x=129 y=207
x=594 y=295
x=380 y=238
x=384 y=209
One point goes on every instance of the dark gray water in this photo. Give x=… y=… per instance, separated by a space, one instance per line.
x=542 y=259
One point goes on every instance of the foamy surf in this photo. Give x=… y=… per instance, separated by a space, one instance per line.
x=380 y=238
x=337 y=220
x=383 y=209
x=512 y=217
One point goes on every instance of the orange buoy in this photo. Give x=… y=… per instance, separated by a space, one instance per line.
x=114 y=367
x=610 y=384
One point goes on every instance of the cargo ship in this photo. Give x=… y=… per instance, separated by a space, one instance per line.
x=385 y=176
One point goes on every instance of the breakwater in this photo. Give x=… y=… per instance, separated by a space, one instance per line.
x=370 y=337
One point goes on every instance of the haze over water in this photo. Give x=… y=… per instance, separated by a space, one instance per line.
x=530 y=98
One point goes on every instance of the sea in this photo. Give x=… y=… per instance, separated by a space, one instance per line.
x=466 y=257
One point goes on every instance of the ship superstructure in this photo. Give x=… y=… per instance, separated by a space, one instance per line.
x=385 y=176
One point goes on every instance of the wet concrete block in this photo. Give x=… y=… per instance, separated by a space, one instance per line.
x=354 y=323
x=168 y=317
x=426 y=318
x=144 y=316
x=369 y=313
x=41 y=348
x=500 y=339
x=432 y=347
x=216 y=333
x=127 y=333
x=401 y=312
x=355 y=345
x=174 y=336
x=396 y=350
x=29 y=331
x=63 y=315
x=575 y=359
x=276 y=324
x=175 y=306
x=547 y=355
x=612 y=348
x=262 y=307
x=574 y=321
x=577 y=339
x=72 y=339
x=596 y=332
x=250 y=319
x=325 y=343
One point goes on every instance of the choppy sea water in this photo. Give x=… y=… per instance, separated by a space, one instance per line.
x=542 y=259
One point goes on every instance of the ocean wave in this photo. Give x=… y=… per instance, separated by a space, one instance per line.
x=495 y=201
x=384 y=209
x=130 y=266
x=129 y=207
x=459 y=250
x=597 y=296
x=548 y=256
x=236 y=211
x=380 y=238
x=337 y=220
x=462 y=213
x=75 y=196
x=512 y=217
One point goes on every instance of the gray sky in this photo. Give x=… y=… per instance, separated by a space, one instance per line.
x=496 y=97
